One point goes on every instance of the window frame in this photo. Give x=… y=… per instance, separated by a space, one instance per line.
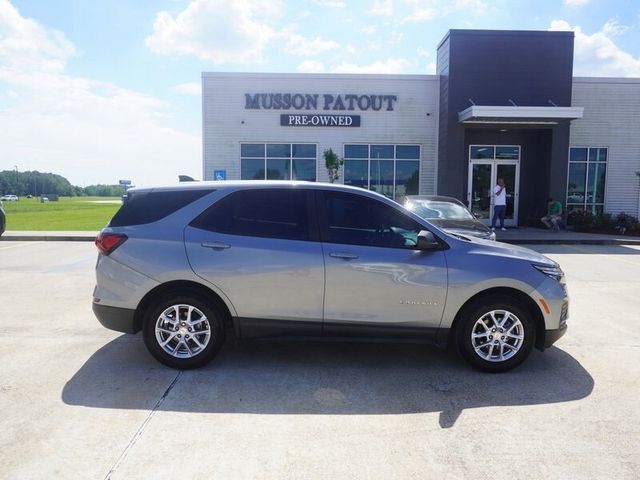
x=395 y=161
x=323 y=219
x=585 y=205
x=290 y=159
x=313 y=230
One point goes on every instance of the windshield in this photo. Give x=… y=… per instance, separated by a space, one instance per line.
x=433 y=210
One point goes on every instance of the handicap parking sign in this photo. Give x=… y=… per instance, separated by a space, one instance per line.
x=219 y=174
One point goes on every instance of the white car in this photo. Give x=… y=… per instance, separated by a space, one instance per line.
x=9 y=198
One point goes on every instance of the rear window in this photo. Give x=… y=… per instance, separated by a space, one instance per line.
x=148 y=207
x=272 y=213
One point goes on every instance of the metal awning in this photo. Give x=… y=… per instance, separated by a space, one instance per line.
x=500 y=114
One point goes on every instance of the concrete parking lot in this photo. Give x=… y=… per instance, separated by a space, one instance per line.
x=79 y=401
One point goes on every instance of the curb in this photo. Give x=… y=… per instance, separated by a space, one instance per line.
x=47 y=238
x=571 y=242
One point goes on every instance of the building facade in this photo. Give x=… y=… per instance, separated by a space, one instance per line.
x=504 y=104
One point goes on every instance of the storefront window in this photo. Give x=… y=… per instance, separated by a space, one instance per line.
x=407 y=177
x=278 y=161
x=392 y=170
x=356 y=173
x=381 y=177
x=508 y=153
x=479 y=152
x=586 y=179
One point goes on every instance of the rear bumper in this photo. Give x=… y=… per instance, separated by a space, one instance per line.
x=114 y=318
x=552 y=336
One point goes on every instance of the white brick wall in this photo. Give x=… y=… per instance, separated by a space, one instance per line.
x=413 y=121
x=612 y=119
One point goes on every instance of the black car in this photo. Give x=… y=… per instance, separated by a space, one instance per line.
x=448 y=213
x=3 y=219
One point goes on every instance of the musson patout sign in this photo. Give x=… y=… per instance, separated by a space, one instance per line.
x=307 y=101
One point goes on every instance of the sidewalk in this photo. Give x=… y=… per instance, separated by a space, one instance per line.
x=531 y=236
x=35 y=236
x=538 y=236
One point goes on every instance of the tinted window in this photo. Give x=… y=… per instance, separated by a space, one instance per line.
x=357 y=220
x=259 y=213
x=356 y=151
x=411 y=152
x=147 y=207
x=381 y=151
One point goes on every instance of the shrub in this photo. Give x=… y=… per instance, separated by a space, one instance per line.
x=588 y=222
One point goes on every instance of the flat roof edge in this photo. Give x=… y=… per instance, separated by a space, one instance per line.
x=547 y=33
x=357 y=76
x=634 y=80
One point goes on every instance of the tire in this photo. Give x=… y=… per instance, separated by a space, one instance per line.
x=480 y=322
x=186 y=344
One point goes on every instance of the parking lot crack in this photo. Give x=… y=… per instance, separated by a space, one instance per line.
x=138 y=432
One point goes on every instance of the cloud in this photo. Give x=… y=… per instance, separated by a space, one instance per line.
x=383 y=8
x=189 y=88
x=597 y=55
x=304 y=47
x=395 y=37
x=422 y=52
x=423 y=10
x=311 y=66
x=575 y=3
x=87 y=130
x=330 y=3
x=218 y=31
x=390 y=65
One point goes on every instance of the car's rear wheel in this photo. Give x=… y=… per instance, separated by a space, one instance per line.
x=183 y=331
x=496 y=334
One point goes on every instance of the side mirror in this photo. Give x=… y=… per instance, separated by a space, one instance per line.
x=427 y=241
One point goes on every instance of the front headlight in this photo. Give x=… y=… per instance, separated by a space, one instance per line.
x=553 y=271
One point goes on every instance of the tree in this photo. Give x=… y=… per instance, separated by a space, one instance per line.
x=333 y=163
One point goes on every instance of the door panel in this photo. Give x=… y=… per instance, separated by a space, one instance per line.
x=264 y=278
x=374 y=274
x=508 y=173
x=384 y=286
x=480 y=188
x=260 y=248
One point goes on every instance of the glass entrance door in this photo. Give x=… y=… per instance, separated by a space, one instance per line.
x=488 y=163
x=480 y=190
x=509 y=173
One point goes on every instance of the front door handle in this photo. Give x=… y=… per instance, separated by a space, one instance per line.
x=345 y=255
x=216 y=245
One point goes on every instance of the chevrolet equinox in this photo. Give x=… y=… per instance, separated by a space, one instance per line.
x=186 y=264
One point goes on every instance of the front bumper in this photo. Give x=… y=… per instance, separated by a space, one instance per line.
x=552 y=336
x=115 y=318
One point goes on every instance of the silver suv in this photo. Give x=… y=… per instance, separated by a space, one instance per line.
x=188 y=263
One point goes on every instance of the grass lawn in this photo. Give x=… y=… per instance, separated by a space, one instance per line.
x=68 y=213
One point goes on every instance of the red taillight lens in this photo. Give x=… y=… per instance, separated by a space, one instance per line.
x=108 y=242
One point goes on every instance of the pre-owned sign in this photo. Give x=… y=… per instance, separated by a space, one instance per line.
x=320 y=120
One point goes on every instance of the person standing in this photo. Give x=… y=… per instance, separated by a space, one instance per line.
x=499 y=204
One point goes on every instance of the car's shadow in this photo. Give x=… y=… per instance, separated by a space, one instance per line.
x=321 y=378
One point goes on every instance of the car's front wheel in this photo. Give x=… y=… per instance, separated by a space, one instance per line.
x=496 y=334
x=183 y=331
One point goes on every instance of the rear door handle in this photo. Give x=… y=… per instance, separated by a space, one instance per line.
x=345 y=255
x=216 y=245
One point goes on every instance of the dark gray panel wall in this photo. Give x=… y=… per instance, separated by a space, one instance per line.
x=489 y=68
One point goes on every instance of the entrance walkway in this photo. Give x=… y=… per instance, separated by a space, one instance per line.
x=533 y=236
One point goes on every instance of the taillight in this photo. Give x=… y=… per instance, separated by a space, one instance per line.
x=108 y=242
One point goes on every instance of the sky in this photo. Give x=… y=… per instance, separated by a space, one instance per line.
x=100 y=91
